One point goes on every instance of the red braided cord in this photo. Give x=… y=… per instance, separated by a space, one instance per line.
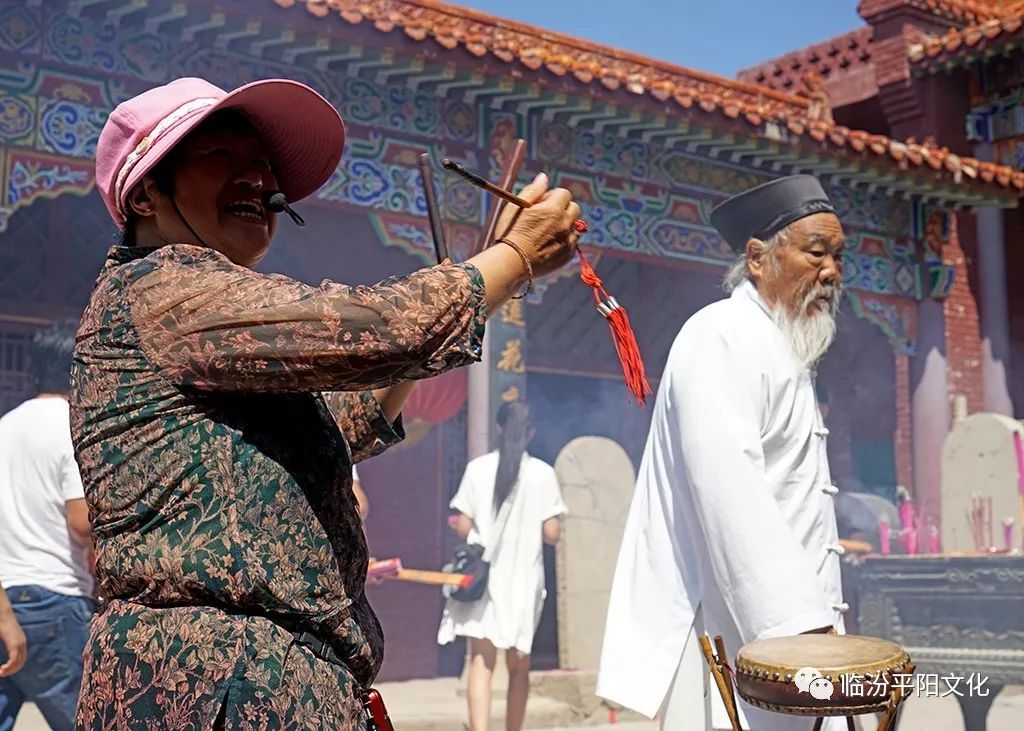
x=623 y=336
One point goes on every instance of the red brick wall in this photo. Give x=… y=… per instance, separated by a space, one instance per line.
x=963 y=329
x=895 y=26
x=902 y=444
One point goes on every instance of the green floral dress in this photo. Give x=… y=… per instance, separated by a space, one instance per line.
x=216 y=414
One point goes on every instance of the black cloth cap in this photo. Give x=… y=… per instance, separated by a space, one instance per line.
x=765 y=210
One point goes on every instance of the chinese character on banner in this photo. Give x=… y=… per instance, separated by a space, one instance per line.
x=975 y=685
x=851 y=685
x=512 y=357
x=876 y=687
x=512 y=313
x=952 y=683
x=928 y=685
x=905 y=683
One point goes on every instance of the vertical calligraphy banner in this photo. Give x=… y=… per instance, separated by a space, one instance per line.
x=507 y=336
x=507 y=343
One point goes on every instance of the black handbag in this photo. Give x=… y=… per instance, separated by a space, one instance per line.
x=469 y=559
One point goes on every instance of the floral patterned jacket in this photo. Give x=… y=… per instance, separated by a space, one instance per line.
x=216 y=413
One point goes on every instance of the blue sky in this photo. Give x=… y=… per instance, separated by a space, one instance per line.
x=720 y=36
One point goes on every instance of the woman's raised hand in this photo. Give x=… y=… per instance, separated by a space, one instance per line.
x=544 y=232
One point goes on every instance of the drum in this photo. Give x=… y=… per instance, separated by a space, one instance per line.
x=823 y=675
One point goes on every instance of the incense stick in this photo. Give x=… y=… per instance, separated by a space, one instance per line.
x=433 y=209
x=990 y=540
x=485 y=184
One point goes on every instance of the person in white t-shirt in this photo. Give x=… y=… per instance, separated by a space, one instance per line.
x=44 y=539
x=509 y=503
x=12 y=638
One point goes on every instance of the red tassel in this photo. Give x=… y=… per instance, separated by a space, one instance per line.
x=622 y=332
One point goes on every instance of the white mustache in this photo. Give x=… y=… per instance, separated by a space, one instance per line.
x=810 y=334
x=829 y=293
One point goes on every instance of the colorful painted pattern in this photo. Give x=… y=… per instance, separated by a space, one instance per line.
x=877 y=265
x=896 y=318
x=638 y=196
x=1010 y=152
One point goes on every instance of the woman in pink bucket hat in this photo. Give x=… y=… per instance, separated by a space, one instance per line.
x=216 y=413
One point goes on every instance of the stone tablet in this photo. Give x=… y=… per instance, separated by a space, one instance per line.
x=978 y=458
x=597 y=481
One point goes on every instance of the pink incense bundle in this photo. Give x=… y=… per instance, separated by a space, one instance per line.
x=383 y=569
x=990 y=540
x=1019 y=449
x=908 y=522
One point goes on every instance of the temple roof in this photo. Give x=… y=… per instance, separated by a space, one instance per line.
x=778 y=116
x=848 y=53
x=974 y=23
x=536 y=48
x=962 y=45
x=965 y=11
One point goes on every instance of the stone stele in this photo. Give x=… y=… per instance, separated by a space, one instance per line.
x=978 y=459
x=597 y=481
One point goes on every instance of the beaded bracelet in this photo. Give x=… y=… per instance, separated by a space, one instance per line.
x=526 y=261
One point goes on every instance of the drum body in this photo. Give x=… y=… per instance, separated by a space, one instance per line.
x=822 y=675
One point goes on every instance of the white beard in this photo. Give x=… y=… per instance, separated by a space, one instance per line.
x=809 y=334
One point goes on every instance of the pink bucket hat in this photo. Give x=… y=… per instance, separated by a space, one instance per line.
x=304 y=134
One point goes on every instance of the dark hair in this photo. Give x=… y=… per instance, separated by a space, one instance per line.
x=162 y=173
x=514 y=420
x=50 y=357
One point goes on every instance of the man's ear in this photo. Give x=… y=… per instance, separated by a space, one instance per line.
x=142 y=198
x=755 y=257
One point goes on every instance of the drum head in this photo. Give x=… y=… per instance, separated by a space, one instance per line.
x=821 y=674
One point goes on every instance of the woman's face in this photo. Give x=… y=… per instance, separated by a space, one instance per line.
x=219 y=176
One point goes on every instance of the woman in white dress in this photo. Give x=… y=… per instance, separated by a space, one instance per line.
x=509 y=503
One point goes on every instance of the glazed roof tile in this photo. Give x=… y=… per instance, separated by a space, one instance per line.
x=589 y=63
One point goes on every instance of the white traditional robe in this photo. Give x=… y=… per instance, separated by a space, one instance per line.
x=733 y=512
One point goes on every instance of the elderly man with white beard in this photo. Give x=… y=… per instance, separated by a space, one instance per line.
x=732 y=527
